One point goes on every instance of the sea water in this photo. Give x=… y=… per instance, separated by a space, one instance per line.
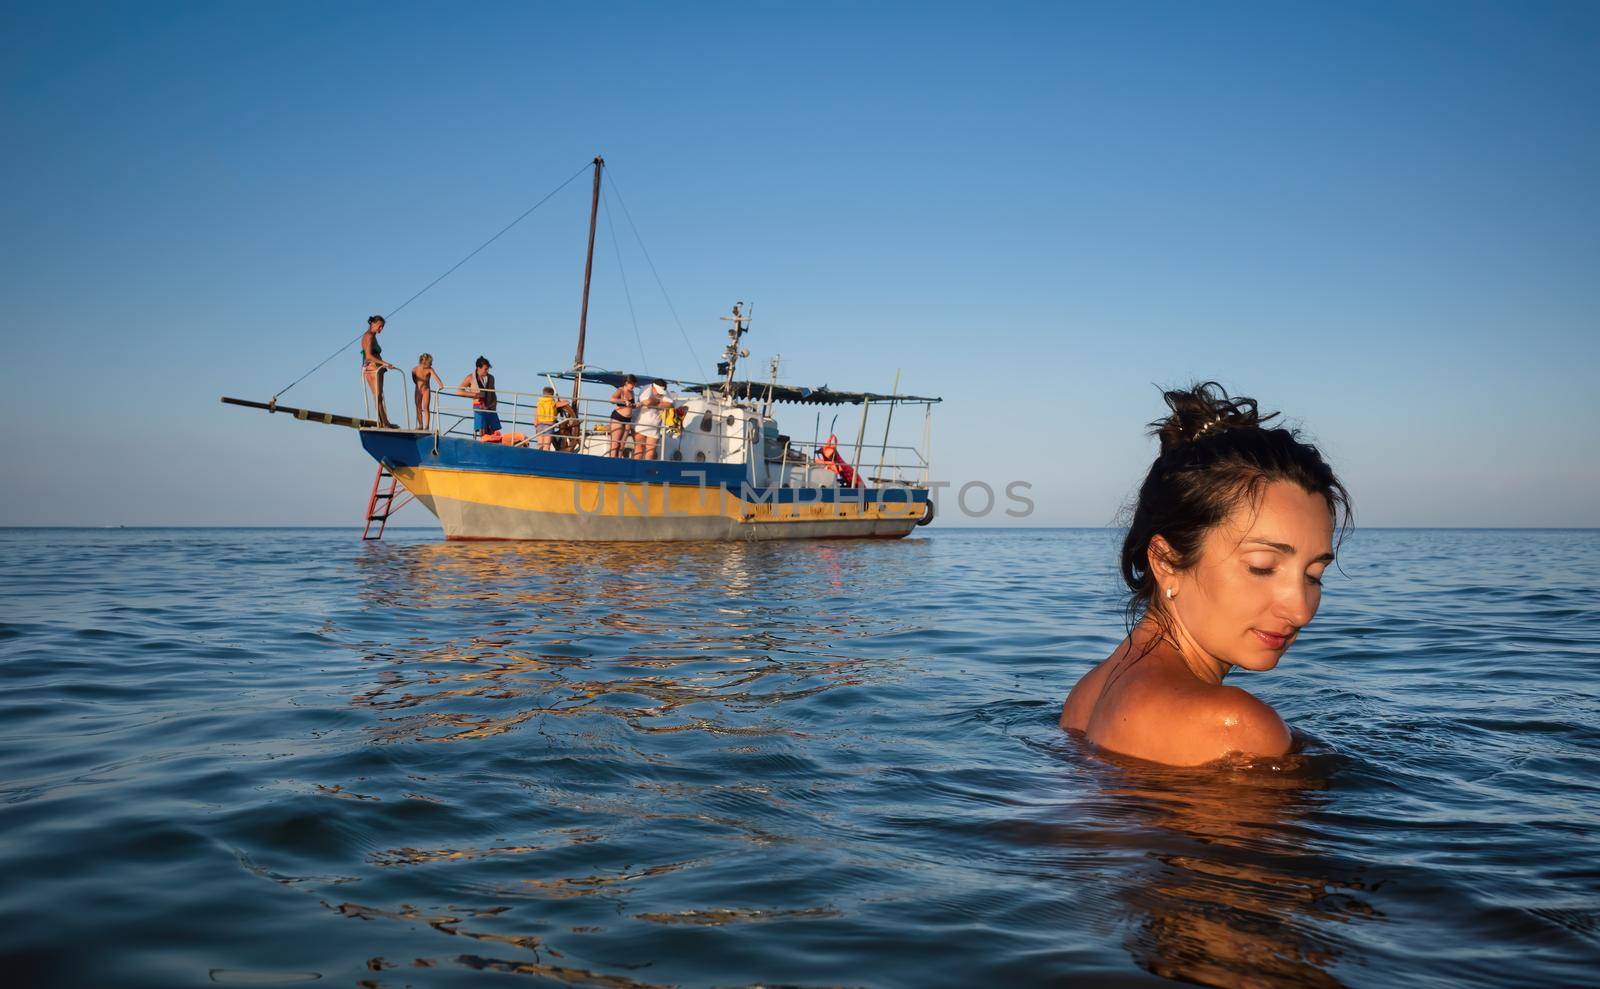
x=283 y=756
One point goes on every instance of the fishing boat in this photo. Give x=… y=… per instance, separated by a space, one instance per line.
x=720 y=469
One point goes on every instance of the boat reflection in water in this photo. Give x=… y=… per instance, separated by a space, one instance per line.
x=666 y=638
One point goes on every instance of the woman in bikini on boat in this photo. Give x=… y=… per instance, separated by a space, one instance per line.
x=622 y=415
x=1232 y=530
x=373 y=365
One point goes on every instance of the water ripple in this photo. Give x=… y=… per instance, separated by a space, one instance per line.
x=273 y=757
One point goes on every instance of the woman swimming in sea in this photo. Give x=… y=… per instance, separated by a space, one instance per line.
x=1232 y=530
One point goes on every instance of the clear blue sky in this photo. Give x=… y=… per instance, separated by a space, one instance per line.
x=1383 y=219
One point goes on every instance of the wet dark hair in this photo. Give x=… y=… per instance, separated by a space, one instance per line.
x=482 y=361
x=376 y=319
x=629 y=379
x=1216 y=453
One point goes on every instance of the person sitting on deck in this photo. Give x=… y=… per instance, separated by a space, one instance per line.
x=480 y=386
x=544 y=417
x=829 y=458
x=373 y=365
x=622 y=415
x=422 y=377
x=647 y=430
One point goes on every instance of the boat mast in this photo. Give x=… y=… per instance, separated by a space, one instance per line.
x=766 y=409
x=588 y=269
x=732 y=353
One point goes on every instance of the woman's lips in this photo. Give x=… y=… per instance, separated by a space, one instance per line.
x=1270 y=640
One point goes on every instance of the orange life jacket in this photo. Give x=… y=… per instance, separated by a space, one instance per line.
x=830 y=459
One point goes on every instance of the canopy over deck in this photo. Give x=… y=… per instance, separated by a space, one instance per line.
x=758 y=389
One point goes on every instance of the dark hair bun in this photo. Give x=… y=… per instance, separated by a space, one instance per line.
x=1203 y=411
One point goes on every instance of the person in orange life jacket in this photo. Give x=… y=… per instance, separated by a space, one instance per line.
x=480 y=386
x=829 y=458
x=373 y=365
x=544 y=417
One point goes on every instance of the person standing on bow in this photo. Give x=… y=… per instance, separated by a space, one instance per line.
x=479 y=385
x=373 y=365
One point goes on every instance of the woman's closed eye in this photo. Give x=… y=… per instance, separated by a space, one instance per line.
x=1314 y=578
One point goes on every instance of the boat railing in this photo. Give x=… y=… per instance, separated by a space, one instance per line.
x=518 y=411
x=585 y=427
x=880 y=465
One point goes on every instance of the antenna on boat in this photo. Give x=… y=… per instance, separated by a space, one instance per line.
x=588 y=269
x=731 y=353
x=772 y=383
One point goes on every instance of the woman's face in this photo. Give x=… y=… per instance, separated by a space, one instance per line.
x=1258 y=580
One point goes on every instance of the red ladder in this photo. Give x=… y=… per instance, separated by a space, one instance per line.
x=378 y=514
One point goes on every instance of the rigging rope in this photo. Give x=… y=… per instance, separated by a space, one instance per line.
x=644 y=362
x=441 y=278
x=611 y=177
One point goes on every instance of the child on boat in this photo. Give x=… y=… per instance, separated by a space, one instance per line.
x=421 y=376
x=544 y=417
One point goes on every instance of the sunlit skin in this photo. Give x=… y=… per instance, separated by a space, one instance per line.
x=423 y=377
x=373 y=367
x=622 y=428
x=1256 y=584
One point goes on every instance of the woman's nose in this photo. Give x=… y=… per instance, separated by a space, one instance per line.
x=1297 y=604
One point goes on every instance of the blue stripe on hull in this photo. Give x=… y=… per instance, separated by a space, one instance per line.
x=408 y=449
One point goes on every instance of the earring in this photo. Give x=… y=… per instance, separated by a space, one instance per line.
x=1172 y=592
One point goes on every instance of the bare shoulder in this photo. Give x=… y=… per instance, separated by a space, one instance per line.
x=1186 y=724
x=1237 y=721
x=1083 y=697
x=1143 y=701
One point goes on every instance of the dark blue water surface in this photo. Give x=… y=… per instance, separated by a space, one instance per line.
x=283 y=756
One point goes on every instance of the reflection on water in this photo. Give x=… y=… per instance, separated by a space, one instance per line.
x=600 y=654
x=1234 y=891
x=264 y=757
x=602 y=649
x=709 y=637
